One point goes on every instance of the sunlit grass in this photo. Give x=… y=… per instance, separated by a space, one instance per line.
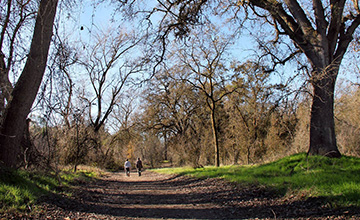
x=19 y=190
x=15 y=197
x=335 y=180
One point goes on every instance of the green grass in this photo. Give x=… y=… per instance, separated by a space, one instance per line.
x=19 y=190
x=335 y=180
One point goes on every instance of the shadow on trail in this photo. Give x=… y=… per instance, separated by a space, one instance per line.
x=178 y=197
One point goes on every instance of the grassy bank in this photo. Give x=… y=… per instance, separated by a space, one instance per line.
x=19 y=190
x=335 y=180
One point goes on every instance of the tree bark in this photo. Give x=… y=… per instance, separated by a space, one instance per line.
x=215 y=136
x=26 y=88
x=322 y=125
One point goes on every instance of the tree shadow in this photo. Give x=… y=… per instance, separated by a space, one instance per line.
x=168 y=199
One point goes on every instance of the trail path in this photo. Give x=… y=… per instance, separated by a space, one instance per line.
x=158 y=196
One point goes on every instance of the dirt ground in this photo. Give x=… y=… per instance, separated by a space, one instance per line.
x=158 y=196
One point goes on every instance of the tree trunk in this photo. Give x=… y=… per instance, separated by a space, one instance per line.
x=215 y=137
x=322 y=125
x=27 y=148
x=165 y=146
x=26 y=88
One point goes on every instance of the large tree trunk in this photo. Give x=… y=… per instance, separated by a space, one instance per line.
x=322 y=125
x=26 y=88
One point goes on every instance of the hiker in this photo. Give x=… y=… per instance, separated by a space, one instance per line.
x=139 y=165
x=127 y=167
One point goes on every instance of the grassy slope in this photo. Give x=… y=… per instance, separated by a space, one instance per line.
x=336 y=180
x=19 y=190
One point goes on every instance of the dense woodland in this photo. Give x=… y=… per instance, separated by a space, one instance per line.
x=186 y=82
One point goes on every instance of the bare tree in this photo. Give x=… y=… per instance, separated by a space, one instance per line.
x=253 y=111
x=206 y=64
x=171 y=111
x=26 y=88
x=323 y=36
x=110 y=51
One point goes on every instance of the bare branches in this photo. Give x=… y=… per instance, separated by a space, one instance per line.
x=275 y=58
x=321 y=22
x=107 y=54
x=16 y=14
x=335 y=26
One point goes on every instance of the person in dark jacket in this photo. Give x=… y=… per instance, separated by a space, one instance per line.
x=139 y=166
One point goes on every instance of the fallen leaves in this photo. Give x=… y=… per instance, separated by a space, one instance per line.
x=160 y=196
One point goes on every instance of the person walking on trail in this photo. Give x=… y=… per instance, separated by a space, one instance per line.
x=127 y=167
x=139 y=165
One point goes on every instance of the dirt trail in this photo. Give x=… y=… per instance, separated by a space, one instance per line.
x=157 y=196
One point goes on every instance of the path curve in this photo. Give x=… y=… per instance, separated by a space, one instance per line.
x=159 y=196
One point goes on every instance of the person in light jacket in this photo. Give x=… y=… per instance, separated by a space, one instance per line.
x=127 y=167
